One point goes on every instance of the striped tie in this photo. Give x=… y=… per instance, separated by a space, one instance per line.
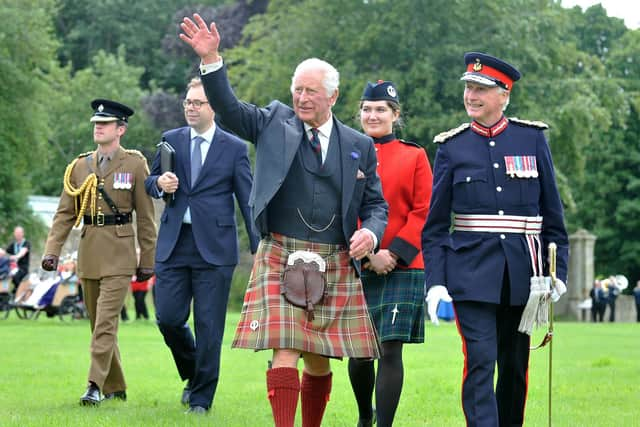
x=315 y=143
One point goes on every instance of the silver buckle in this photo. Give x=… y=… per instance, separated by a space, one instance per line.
x=307 y=257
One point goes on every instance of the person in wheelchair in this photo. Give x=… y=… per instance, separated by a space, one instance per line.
x=18 y=252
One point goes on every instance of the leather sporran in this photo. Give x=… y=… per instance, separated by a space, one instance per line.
x=304 y=283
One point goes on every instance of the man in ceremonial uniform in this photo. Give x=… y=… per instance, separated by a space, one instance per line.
x=102 y=188
x=494 y=209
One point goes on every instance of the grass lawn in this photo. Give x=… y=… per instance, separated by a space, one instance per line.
x=44 y=363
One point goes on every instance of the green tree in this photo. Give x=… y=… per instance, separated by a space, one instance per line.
x=610 y=197
x=109 y=76
x=580 y=76
x=88 y=27
x=27 y=47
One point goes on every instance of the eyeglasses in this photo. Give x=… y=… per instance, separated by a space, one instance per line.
x=196 y=103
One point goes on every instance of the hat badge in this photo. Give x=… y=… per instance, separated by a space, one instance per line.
x=391 y=91
x=477 y=66
x=101 y=108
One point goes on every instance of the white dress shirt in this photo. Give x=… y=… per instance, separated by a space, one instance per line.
x=204 y=149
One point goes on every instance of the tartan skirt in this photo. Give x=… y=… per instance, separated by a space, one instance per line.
x=396 y=304
x=341 y=326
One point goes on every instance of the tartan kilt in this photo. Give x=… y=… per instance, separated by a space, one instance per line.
x=401 y=291
x=341 y=326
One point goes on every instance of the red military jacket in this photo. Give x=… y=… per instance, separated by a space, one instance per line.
x=406 y=185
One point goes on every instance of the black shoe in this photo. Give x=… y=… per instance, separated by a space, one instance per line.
x=196 y=410
x=91 y=397
x=186 y=394
x=116 y=395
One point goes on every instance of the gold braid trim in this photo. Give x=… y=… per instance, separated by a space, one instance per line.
x=86 y=191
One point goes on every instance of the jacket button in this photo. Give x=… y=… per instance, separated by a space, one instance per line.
x=500 y=212
x=492 y=143
x=498 y=189
x=502 y=236
x=468 y=178
x=496 y=165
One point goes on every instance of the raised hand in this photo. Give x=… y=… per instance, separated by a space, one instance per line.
x=204 y=41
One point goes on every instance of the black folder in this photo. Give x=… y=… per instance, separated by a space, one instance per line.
x=167 y=163
x=167 y=157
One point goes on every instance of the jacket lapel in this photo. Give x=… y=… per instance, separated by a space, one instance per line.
x=293 y=129
x=350 y=158
x=93 y=163
x=184 y=151
x=116 y=161
x=213 y=154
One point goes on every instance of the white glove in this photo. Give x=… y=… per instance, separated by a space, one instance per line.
x=557 y=291
x=434 y=295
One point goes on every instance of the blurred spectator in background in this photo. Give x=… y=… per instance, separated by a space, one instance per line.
x=124 y=316
x=139 y=290
x=18 y=252
x=636 y=295
x=612 y=292
x=598 y=301
x=4 y=264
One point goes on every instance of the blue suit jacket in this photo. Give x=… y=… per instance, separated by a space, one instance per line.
x=470 y=178
x=277 y=132
x=226 y=172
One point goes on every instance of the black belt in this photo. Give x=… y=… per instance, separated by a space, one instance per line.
x=101 y=219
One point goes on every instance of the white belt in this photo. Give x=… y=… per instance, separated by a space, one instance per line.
x=498 y=223
x=531 y=226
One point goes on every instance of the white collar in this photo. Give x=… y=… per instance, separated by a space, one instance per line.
x=324 y=129
x=208 y=135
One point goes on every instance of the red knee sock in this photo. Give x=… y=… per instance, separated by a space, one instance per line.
x=315 y=395
x=283 y=388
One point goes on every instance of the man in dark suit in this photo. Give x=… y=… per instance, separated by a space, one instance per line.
x=197 y=248
x=598 y=301
x=315 y=177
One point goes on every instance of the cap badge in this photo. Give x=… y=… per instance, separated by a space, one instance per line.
x=391 y=91
x=477 y=66
x=101 y=108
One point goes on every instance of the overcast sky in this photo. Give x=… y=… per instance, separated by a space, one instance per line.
x=629 y=10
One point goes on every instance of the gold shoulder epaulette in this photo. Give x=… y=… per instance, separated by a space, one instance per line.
x=136 y=152
x=530 y=123
x=444 y=136
x=414 y=144
x=88 y=153
x=139 y=154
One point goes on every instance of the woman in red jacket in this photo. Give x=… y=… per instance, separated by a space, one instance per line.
x=393 y=279
x=139 y=291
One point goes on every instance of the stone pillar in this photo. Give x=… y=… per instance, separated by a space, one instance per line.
x=581 y=275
